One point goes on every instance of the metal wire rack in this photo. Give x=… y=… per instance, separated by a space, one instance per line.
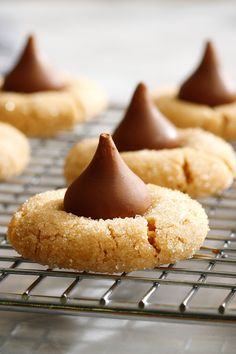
x=202 y=288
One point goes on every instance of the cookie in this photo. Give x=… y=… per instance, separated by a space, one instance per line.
x=206 y=99
x=108 y=220
x=42 y=231
x=15 y=151
x=220 y=120
x=204 y=164
x=45 y=103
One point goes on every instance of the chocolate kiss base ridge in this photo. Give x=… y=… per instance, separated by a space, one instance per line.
x=143 y=126
x=107 y=188
x=31 y=73
x=208 y=84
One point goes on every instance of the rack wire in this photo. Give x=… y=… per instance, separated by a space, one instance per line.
x=202 y=288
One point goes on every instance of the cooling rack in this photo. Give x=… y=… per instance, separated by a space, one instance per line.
x=202 y=288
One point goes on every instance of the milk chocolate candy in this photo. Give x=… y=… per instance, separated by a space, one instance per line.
x=208 y=85
x=143 y=126
x=31 y=73
x=107 y=188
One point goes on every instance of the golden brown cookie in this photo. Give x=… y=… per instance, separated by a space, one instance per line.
x=42 y=231
x=44 y=114
x=14 y=151
x=202 y=166
x=206 y=99
x=45 y=102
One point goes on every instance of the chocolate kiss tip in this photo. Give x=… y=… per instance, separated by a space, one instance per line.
x=30 y=49
x=31 y=74
x=209 y=45
x=107 y=188
x=31 y=42
x=208 y=84
x=210 y=56
x=141 y=87
x=143 y=126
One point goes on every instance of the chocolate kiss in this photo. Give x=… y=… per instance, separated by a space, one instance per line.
x=208 y=84
x=107 y=188
x=31 y=73
x=143 y=126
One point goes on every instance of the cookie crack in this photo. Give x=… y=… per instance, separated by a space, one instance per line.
x=103 y=251
x=151 y=235
x=187 y=172
x=37 y=243
x=225 y=121
x=227 y=164
x=111 y=231
x=181 y=239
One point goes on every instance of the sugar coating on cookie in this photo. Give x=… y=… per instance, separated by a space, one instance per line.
x=15 y=151
x=203 y=165
x=172 y=229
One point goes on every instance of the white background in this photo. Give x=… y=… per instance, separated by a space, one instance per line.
x=122 y=42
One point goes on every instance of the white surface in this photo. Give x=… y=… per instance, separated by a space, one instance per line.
x=119 y=43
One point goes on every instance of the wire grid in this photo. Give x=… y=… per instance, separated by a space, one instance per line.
x=202 y=288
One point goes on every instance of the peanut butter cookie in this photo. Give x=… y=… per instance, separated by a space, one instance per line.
x=40 y=102
x=203 y=165
x=108 y=220
x=15 y=151
x=207 y=99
